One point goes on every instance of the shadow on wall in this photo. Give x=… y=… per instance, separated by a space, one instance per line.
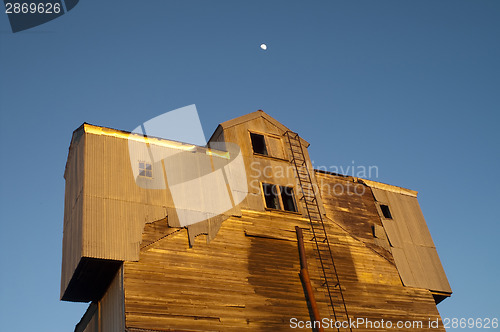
x=273 y=266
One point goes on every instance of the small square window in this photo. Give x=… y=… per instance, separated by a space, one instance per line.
x=145 y=169
x=271 y=196
x=258 y=143
x=385 y=211
x=287 y=199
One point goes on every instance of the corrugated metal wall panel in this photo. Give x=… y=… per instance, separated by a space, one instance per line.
x=90 y=320
x=116 y=207
x=113 y=228
x=93 y=325
x=112 y=306
x=73 y=207
x=72 y=245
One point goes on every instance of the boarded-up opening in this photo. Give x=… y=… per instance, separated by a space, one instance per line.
x=275 y=147
x=258 y=143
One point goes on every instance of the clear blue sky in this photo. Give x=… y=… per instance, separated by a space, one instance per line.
x=412 y=87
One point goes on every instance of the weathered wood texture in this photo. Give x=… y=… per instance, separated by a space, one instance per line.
x=352 y=207
x=274 y=168
x=247 y=279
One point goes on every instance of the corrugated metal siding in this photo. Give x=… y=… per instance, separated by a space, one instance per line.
x=111 y=307
x=115 y=208
x=73 y=208
x=93 y=325
x=90 y=320
x=413 y=249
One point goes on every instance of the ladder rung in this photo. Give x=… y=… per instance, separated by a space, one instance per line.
x=313 y=203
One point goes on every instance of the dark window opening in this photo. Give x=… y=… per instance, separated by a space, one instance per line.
x=385 y=211
x=271 y=196
x=288 y=200
x=258 y=143
x=145 y=169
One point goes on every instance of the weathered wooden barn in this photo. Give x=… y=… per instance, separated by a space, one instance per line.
x=367 y=253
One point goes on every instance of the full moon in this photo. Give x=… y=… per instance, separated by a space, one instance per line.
x=263 y=46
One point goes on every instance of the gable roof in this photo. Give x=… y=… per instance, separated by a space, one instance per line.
x=253 y=116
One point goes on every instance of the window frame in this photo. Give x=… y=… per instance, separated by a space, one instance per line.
x=280 y=199
x=381 y=211
x=265 y=144
x=278 y=194
x=294 y=202
x=266 y=141
x=145 y=169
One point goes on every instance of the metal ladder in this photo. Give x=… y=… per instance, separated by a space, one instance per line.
x=329 y=277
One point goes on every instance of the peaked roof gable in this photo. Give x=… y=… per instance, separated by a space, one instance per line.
x=253 y=116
